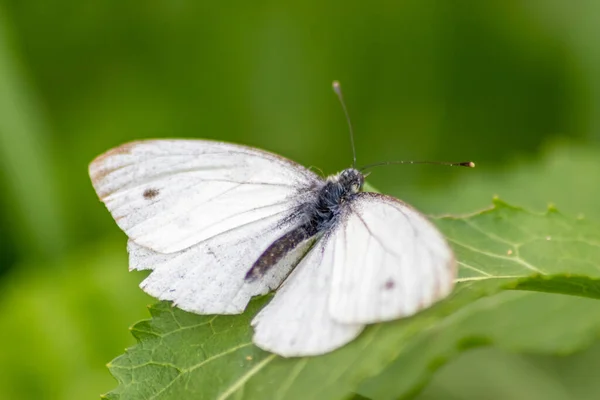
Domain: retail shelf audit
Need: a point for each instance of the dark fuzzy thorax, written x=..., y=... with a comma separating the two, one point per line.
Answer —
x=316, y=216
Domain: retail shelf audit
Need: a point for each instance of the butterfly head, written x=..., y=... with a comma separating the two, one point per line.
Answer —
x=352, y=180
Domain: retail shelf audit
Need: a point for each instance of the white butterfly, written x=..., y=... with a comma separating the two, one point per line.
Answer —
x=219, y=223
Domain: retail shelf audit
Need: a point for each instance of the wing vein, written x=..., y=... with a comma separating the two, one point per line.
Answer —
x=383, y=246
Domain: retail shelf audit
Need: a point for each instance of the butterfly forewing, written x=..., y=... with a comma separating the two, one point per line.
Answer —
x=168, y=195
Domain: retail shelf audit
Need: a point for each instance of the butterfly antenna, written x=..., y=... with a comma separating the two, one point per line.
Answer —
x=338, y=91
x=468, y=164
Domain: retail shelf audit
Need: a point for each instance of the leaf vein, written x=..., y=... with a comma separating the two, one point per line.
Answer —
x=242, y=380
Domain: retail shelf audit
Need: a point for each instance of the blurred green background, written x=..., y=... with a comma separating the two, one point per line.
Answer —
x=513, y=86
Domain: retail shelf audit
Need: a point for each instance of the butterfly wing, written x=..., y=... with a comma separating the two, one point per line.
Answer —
x=168, y=195
x=389, y=261
x=297, y=321
x=382, y=260
x=208, y=278
x=199, y=213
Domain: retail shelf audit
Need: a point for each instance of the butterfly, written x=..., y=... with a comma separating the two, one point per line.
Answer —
x=219, y=223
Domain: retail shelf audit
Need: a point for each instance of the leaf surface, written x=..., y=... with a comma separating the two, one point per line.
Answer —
x=181, y=355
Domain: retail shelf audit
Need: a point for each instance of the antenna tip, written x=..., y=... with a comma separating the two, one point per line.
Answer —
x=469, y=164
x=336, y=86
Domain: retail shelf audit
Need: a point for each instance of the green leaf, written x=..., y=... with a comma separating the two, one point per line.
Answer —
x=182, y=355
x=523, y=322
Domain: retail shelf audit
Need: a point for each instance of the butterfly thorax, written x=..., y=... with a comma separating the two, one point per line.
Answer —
x=335, y=192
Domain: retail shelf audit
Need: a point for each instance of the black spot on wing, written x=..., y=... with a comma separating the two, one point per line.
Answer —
x=150, y=193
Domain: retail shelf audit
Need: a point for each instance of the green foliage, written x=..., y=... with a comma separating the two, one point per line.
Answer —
x=525, y=328
x=61, y=322
x=561, y=176
x=424, y=81
x=23, y=153
x=495, y=82
x=182, y=355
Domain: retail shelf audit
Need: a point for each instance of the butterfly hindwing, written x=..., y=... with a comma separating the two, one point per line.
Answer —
x=208, y=278
x=297, y=322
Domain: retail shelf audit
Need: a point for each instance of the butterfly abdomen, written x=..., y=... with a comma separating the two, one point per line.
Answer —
x=278, y=249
